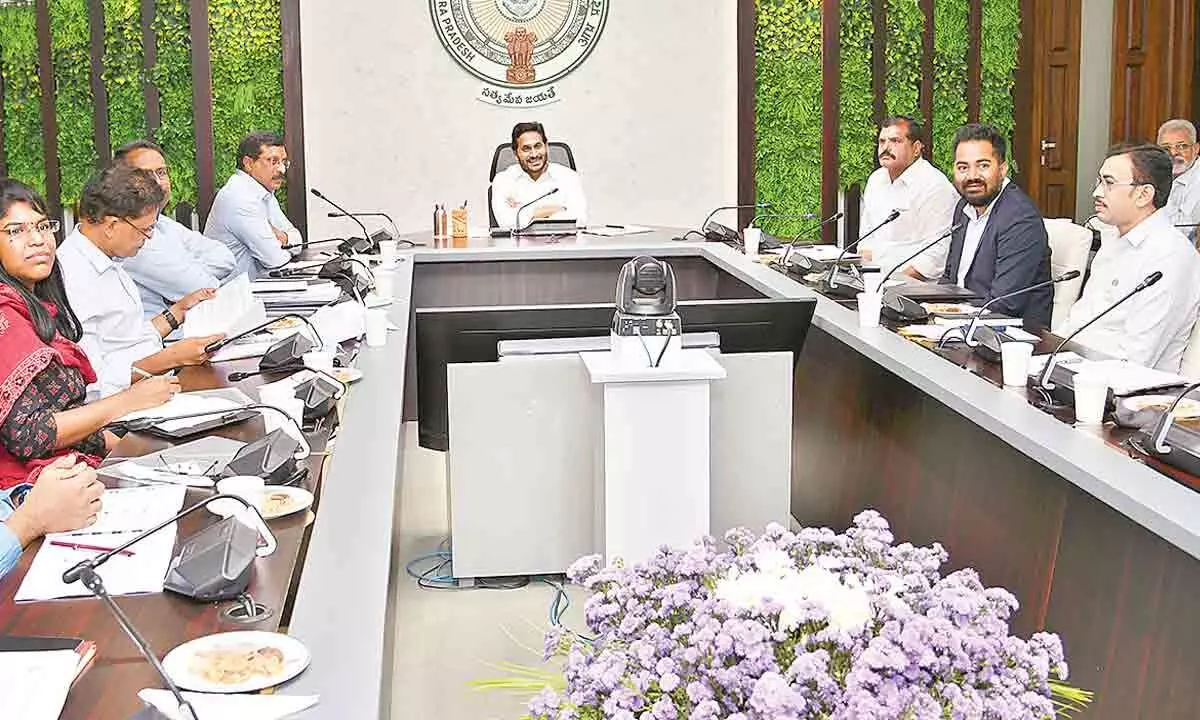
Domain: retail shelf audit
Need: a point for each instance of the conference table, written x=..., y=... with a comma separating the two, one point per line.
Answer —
x=1097, y=546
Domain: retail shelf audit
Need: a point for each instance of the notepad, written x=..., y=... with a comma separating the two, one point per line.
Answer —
x=141, y=572
x=229, y=707
x=215, y=402
x=36, y=683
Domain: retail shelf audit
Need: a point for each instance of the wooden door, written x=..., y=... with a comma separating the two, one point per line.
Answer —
x=1154, y=56
x=1051, y=157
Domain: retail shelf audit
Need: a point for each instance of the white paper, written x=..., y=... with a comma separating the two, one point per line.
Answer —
x=142, y=572
x=232, y=310
x=618, y=231
x=341, y=322
x=824, y=253
x=130, y=510
x=189, y=474
x=186, y=404
x=229, y=707
x=273, y=286
x=36, y=683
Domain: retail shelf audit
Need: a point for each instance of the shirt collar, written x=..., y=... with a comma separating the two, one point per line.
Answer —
x=252, y=186
x=973, y=214
x=100, y=262
x=909, y=176
x=1156, y=223
x=1188, y=175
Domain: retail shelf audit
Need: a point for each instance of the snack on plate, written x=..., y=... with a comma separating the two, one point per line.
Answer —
x=237, y=664
x=276, y=502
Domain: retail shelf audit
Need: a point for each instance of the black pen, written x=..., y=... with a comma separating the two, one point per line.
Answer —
x=615, y=227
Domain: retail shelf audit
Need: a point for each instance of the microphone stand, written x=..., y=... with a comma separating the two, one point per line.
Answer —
x=517, y=227
x=217, y=345
x=366, y=235
x=1159, y=434
x=383, y=215
x=830, y=281
x=969, y=335
x=796, y=239
x=85, y=572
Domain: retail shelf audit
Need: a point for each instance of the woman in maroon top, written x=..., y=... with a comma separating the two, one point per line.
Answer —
x=43, y=372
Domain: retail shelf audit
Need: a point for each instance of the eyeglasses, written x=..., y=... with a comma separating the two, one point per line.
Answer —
x=1110, y=184
x=24, y=233
x=284, y=163
x=161, y=173
x=144, y=233
x=1177, y=147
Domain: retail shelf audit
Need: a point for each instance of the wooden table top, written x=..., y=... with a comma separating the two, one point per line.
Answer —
x=109, y=689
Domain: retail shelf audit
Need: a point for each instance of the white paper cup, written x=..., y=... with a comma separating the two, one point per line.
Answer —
x=1091, y=394
x=385, y=283
x=387, y=254
x=319, y=360
x=1015, y=357
x=248, y=487
x=869, y=305
x=377, y=327
x=871, y=281
x=751, y=237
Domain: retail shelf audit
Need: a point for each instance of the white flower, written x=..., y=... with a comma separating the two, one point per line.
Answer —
x=846, y=604
x=774, y=562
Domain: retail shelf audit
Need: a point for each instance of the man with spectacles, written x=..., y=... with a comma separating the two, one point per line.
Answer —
x=246, y=216
x=116, y=218
x=1153, y=327
x=176, y=261
x=1178, y=137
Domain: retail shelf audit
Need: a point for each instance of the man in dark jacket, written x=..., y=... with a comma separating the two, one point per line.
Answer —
x=1001, y=245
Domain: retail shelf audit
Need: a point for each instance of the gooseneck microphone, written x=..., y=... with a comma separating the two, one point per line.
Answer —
x=214, y=346
x=517, y=227
x=339, y=208
x=703, y=231
x=1044, y=378
x=969, y=336
x=796, y=239
x=953, y=228
x=383, y=215
x=85, y=572
x=829, y=280
x=1159, y=434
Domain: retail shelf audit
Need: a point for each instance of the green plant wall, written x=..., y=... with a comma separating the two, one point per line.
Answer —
x=22, y=96
x=246, y=51
x=247, y=75
x=789, y=90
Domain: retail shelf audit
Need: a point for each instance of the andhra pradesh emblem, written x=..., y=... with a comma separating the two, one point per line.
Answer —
x=519, y=48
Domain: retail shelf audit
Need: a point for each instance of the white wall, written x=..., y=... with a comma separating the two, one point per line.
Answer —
x=391, y=120
x=1095, y=94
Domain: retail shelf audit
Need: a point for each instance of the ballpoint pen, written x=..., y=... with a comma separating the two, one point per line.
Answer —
x=81, y=546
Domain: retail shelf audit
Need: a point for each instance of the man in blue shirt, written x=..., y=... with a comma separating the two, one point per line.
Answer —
x=246, y=215
x=176, y=261
x=65, y=497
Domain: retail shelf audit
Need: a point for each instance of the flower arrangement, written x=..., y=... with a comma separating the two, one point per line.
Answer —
x=792, y=626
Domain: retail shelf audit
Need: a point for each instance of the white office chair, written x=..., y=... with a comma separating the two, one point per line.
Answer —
x=1069, y=248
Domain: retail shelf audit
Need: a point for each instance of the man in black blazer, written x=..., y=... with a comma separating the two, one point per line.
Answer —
x=1001, y=245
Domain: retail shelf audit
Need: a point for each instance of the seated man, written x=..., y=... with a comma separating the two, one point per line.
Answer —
x=1178, y=137
x=534, y=175
x=176, y=261
x=246, y=216
x=1152, y=327
x=66, y=497
x=905, y=181
x=117, y=214
x=1001, y=245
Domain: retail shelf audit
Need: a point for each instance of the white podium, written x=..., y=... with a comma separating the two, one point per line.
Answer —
x=653, y=489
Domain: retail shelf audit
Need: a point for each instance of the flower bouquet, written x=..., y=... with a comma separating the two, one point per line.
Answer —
x=797, y=626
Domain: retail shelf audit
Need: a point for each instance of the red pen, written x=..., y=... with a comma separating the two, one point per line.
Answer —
x=81, y=546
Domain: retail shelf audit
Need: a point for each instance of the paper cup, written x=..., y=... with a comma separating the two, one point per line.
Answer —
x=1015, y=357
x=750, y=239
x=385, y=283
x=1091, y=395
x=319, y=360
x=869, y=305
x=377, y=327
x=387, y=254
x=248, y=487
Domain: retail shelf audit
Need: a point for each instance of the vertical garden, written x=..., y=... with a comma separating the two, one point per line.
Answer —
x=788, y=119
x=245, y=45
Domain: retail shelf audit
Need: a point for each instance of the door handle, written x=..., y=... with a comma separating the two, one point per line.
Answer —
x=1048, y=145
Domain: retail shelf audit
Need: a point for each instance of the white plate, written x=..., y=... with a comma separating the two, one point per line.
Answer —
x=299, y=499
x=1187, y=407
x=348, y=375
x=178, y=662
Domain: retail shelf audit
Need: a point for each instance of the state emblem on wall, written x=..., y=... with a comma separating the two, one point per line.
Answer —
x=520, y=49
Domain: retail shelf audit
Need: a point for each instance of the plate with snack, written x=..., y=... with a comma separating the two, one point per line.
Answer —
x=285, y=323
x=236, y=662
x=278, y=501
x=950, y=310
x=347, y=375
x=1141, y=410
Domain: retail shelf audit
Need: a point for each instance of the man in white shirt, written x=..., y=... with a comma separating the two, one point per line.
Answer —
x=246, y=215
x=905, y=181
x=176, y=261
x=532, y=177
x=1153, y=326
x=117, y=214
x=1178, y=137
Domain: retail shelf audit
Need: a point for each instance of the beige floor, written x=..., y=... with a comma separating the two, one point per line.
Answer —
x=446, y=639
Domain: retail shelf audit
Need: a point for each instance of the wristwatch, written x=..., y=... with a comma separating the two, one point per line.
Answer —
x=170, y=318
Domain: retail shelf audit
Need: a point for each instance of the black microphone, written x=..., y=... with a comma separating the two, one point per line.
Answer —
x=969, y=336
x=810, y=265
x=214, y=346
x=308, y=244
x=517, y=227
x=720, y=232
x=370, y=244
x=85, y=572
x=829, y=280
x=926, y=246
x=899, y=307
x=1044, y=379
x=383, y=215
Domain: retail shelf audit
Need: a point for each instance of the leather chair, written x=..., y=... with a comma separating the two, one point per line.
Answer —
x=1070, y=246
